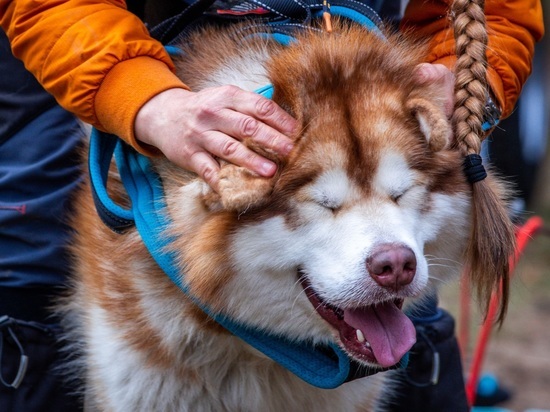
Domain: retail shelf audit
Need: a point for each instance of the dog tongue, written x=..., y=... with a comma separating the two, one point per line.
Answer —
x=388, y=330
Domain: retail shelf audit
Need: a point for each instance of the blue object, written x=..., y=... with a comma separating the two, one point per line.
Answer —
x=487, y=385
x=39, y=169
x=489, y=409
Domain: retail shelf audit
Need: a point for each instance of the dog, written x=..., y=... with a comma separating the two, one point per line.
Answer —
x=368, y=214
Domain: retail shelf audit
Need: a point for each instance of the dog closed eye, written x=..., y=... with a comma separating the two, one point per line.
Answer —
x=396, y=196
x=329, y=203
x=330, y=190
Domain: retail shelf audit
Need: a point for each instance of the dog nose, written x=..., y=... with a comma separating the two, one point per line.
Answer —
x=392, y=266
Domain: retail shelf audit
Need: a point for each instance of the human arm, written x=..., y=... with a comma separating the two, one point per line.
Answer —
x=95, y=58
x=100, y=63
x=513, y=25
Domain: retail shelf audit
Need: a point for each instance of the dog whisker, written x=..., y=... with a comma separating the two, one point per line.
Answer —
x=440, y=265
x=431, y=258
x=443, y=281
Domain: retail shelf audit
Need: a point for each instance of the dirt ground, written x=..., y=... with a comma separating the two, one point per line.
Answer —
x=519, y=354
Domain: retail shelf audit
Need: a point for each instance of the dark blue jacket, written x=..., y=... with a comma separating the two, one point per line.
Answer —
x=39, y=168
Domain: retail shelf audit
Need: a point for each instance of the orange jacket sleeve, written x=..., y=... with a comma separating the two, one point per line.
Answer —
x=513, y=26
x=95, y=57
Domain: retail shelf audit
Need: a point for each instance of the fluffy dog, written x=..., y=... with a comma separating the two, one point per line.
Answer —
x=368, y=213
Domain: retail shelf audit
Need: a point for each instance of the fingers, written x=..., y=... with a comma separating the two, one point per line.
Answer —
x=204, y=165
x=439, y=74
x=194, y=129
x=223, y=118
x=245, y=128
x=231, y=150
x=251, y=116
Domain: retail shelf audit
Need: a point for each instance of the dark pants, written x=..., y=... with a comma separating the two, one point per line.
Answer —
x=39, y=169
x=433, y=380
x=40, y=386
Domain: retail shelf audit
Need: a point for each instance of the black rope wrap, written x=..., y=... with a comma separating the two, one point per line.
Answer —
x=473, y=168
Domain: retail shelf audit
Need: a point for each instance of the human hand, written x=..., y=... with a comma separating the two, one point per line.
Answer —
x=441, y=76
x=192, y=129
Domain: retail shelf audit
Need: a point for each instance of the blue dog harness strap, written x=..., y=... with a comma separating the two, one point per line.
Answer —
x=100, y=154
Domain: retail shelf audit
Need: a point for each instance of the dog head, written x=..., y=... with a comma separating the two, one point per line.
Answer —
x=368, y=212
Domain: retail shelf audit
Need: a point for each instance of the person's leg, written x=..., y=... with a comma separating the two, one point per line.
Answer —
x=433, y=380
x=39, y=169
x=31, y=378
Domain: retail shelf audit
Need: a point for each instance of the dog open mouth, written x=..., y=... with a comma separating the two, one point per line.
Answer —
x=379, y=334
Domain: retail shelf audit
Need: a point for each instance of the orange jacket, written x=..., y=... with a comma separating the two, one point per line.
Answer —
x=513, y=26
x=99, y=62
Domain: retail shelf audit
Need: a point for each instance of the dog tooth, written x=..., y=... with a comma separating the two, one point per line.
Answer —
x=367, y=344
x=360, y=336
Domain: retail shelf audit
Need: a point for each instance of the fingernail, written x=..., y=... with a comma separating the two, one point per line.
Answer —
x=289, y=147
x=291, y=127
x=268, y=168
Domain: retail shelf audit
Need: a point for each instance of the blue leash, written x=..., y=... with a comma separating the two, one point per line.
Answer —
x=323, y=366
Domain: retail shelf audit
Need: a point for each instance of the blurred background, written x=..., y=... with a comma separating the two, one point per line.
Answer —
x=517, y=356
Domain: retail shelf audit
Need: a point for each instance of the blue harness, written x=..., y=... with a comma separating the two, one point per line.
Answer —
x=323, y=366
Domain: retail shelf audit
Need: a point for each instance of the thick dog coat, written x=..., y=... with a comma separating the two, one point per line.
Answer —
x=368, y=213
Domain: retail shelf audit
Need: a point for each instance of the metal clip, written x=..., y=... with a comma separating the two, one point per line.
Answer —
x=326, y=16
x=436, y=364
x=5, y=323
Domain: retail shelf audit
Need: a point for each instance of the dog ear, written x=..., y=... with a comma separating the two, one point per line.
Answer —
x=433, y=122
